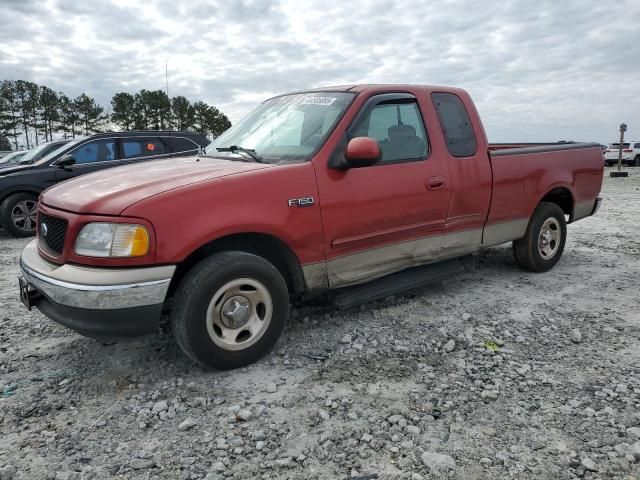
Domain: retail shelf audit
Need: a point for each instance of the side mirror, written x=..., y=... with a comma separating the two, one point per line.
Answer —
x=66, y=161
x=362, y=152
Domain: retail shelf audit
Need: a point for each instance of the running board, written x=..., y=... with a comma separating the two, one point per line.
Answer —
x=401, y=282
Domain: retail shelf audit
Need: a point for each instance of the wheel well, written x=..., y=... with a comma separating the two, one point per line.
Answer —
x=562, y=197
x=31, y=192
x=266, y=246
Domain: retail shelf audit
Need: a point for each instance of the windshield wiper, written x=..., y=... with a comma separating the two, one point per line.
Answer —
x=248, y=151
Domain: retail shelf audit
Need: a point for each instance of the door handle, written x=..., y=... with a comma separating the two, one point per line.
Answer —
x=435, y=183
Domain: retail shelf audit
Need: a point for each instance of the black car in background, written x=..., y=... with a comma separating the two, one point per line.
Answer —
x=20, y=185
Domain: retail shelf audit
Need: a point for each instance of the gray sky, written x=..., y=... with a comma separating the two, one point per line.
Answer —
x=538, y=71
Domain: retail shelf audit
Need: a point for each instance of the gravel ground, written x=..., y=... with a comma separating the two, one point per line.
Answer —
x=495, y=374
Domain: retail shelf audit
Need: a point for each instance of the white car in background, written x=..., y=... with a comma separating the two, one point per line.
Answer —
x=630, y=153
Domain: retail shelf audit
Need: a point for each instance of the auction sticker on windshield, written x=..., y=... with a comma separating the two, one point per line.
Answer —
x=319, y=100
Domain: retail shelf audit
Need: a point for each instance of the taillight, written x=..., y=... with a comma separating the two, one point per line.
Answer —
x=628, y=150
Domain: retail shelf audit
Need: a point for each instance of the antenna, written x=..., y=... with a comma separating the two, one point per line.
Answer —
x=166, y=75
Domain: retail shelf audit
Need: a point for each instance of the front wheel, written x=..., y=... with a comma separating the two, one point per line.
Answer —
x=543, y=243
x=230, y=309
x=18, y=214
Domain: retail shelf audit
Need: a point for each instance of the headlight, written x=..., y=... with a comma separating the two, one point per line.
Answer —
x=112, y=240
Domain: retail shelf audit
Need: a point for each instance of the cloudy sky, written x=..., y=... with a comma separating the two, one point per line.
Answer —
x=538, y=71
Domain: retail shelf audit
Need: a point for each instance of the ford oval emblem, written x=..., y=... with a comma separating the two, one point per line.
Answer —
x=44, y=229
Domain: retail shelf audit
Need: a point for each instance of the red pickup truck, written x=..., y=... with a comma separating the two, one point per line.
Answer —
x=356, y=191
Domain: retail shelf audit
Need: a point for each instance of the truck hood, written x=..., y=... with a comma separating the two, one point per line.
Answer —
x=111, y=191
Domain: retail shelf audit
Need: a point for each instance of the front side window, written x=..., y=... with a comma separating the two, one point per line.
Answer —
x=96, y=151
x=286, y=128
x=398, y=127
x=456, y=124
x=142, y=147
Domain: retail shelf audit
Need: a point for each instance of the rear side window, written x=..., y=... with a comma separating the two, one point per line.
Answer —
x=181, y=145
x=142, y=147
x=637, y=145
x=456, y=125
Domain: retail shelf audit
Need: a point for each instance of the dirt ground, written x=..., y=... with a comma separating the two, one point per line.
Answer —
x=495, y=374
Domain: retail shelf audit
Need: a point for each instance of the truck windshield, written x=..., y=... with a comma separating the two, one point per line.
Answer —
x=286, y=128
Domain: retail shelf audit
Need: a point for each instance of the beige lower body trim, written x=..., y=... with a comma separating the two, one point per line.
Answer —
x=583, y=209
x=503, y=232
x=377, y=262
x=315, y=276
x=374, y=263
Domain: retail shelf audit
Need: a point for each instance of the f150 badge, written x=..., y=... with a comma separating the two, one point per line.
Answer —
x=301, y=202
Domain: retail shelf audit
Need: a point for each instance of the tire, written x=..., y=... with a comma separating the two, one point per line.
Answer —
x=18, y=214
x=219, y=283
x=543, y=243
x=636, y=161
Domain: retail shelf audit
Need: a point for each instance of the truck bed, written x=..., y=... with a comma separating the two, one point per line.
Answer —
x=570, y=171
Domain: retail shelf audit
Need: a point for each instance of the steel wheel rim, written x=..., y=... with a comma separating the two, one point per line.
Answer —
x=23, y=215
x=549, y=238
x=239, y=313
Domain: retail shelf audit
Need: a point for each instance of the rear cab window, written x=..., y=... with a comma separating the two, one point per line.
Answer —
x=456, y=124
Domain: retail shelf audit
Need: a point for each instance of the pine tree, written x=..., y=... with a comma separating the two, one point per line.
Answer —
x=124, y=110
x=22, y=97
x=49, y=103
x=182, y=113
x=68, y=116
x=5, y=144
x=90, y=114
x=9, y=111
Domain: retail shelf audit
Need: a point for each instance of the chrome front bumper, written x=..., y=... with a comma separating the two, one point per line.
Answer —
x=94, y=288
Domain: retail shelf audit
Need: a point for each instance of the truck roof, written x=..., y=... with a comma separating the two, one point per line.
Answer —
x=372, y=87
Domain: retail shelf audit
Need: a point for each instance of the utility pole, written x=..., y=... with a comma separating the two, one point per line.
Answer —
x=619, y=172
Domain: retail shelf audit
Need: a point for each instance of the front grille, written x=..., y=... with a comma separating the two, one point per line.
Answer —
x=56, y=230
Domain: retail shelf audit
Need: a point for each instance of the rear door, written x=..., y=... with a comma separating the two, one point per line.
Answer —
x=389, y=216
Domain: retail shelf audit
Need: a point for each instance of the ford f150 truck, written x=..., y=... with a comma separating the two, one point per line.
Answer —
x=356, y=191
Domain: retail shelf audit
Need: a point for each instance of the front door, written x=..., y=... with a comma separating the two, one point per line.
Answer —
x=390, y=216
x=90, y=157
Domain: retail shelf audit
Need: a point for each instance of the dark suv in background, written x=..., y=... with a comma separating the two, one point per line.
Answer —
x=20, y=185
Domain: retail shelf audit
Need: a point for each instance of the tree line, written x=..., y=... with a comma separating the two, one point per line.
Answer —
x=31, y=114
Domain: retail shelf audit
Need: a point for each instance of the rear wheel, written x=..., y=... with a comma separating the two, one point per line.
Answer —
x=543, y=243
x=636, y=161
x=18, y=214
x=230, y=309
